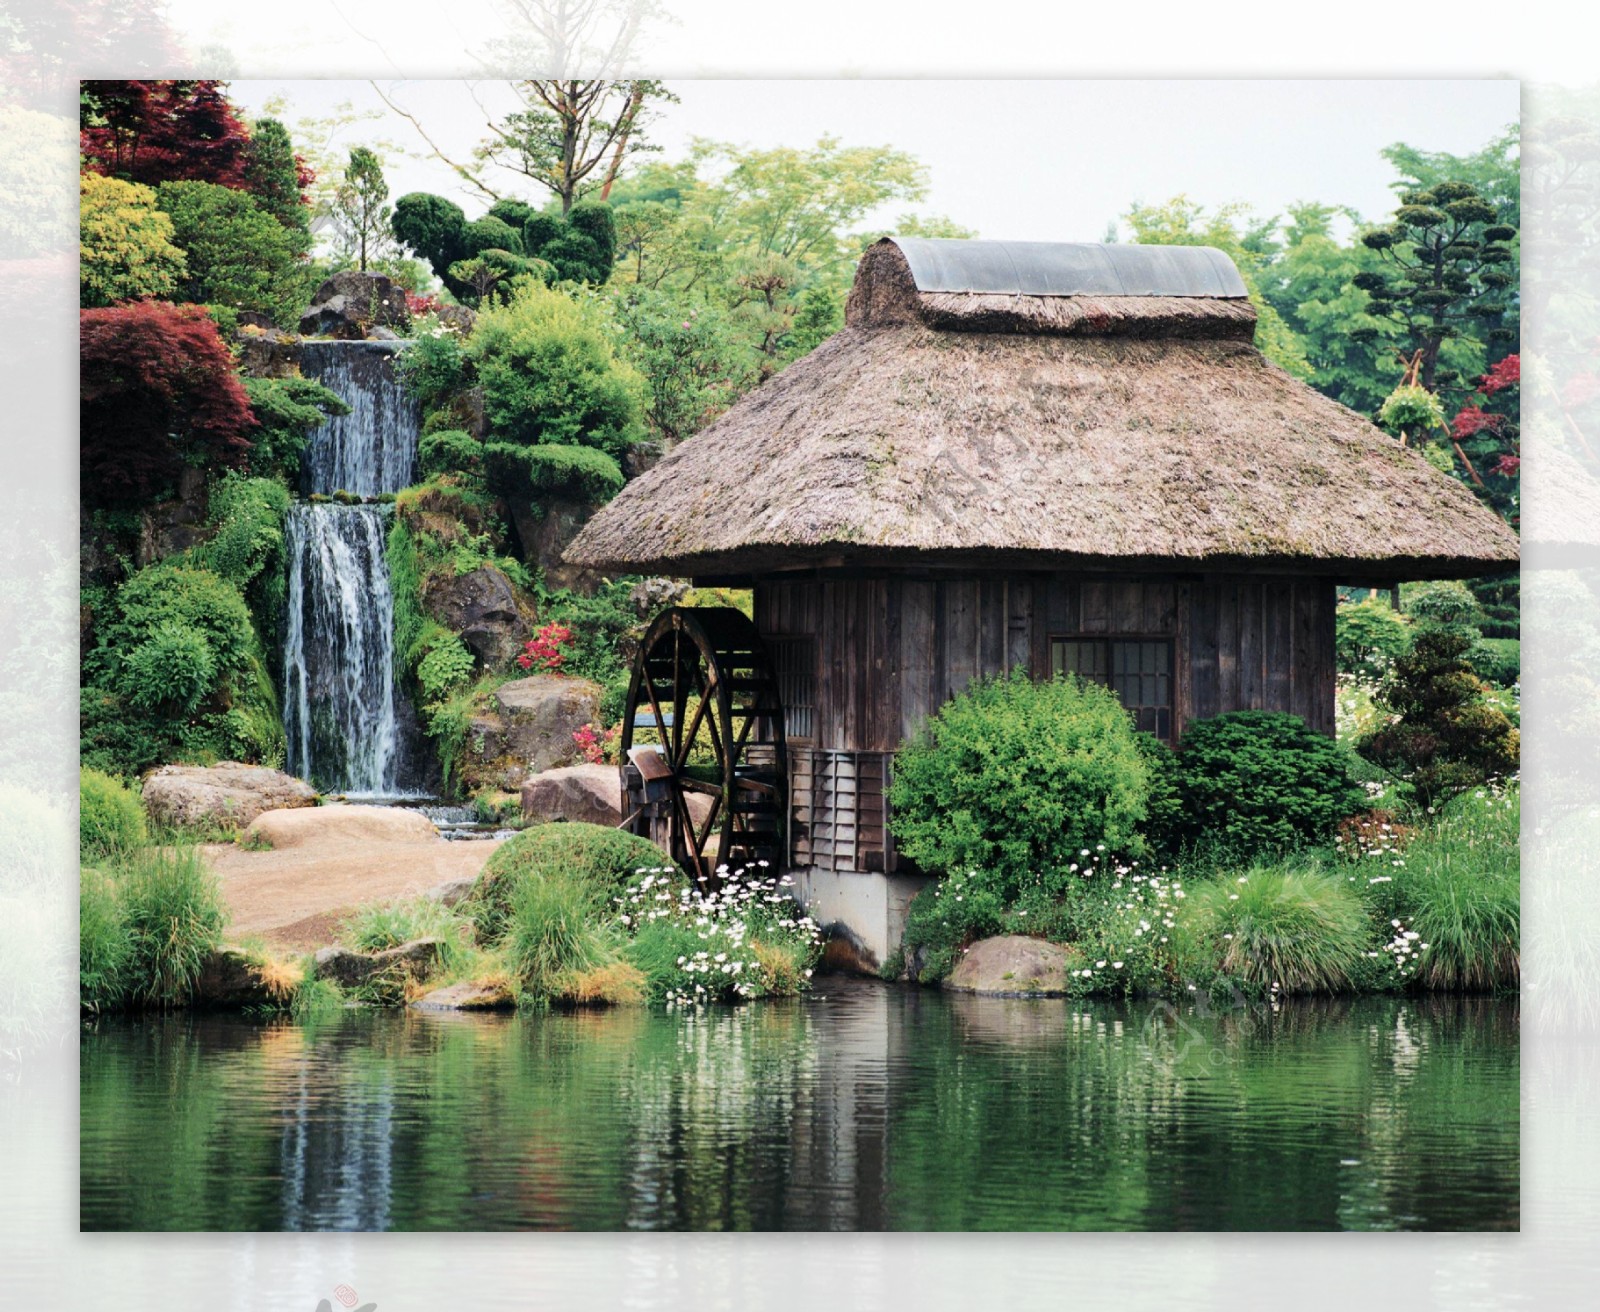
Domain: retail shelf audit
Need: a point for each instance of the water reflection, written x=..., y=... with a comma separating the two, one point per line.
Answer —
x=868, y=1107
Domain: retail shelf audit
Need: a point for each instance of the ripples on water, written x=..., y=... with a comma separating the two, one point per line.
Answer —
x=865, y=1107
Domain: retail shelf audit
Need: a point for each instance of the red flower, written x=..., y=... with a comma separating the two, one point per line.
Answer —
x=1508, y=466
x=545, y=648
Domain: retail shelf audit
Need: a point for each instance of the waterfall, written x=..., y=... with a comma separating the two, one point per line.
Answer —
x=348, y=725
x=372, y=449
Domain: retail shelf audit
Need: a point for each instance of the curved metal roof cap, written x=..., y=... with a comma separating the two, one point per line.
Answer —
x=1060, y=268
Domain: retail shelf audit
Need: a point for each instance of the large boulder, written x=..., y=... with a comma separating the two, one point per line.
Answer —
x=229, y=978
x=267, y=353
x=482, y=607
x=591, y=794
x=351, y=304
x=321, y=825
x=540, y=715
x=227, y=794
x=1013, y=966
x=545, y=529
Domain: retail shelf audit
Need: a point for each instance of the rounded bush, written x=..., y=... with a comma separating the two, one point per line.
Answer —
x=448, y=452
x=601, y=859
x=172, y=667
x=1015, y=778
x=110, y=818
x=1261, y=781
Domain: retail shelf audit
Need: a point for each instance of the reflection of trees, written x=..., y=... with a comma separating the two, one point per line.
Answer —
x=869, y=1108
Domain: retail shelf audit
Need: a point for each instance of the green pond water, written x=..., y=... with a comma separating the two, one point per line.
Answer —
x=865, y=1106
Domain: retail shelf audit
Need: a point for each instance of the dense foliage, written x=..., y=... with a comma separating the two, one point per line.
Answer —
x=157, y=391
x=1261, y=781
x=287, y=410
x=1015, y=778
x=125, y=249
x=236, y=253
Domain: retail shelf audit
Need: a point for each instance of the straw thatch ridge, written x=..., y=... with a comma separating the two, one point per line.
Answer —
x=885, y=295
x=899, y=444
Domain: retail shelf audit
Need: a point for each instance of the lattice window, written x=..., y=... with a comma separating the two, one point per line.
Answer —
x=795, y=662
x=1138, y=670
x=839, y=804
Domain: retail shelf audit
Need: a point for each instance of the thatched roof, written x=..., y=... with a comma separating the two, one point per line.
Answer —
x=1127, y=425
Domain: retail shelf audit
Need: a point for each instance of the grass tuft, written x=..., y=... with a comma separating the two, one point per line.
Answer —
x=1298, y=928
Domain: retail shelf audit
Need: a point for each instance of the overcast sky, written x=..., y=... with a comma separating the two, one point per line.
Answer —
x=1027, y=160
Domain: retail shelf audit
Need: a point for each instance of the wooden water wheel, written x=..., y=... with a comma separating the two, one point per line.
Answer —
x=705, y=766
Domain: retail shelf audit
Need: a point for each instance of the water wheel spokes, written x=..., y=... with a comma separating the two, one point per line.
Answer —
x=706, y=768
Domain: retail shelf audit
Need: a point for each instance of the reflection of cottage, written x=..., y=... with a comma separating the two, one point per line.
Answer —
x=1052, y=457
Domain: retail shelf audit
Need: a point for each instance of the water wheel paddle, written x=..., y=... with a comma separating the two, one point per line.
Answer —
x=705, y=766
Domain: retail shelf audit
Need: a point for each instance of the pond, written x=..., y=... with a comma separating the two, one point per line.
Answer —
x=865, y=1106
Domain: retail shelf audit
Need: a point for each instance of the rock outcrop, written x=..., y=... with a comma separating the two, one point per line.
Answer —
x=482, y=607
x=590, y=794
x=320, y=825
x=1013, y=966
x=227, y=794
x=545, y=528
x=351, y=305
x=485, y=996
x=415, y=960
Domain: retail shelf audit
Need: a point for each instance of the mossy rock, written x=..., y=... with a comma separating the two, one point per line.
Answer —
x=606, y=859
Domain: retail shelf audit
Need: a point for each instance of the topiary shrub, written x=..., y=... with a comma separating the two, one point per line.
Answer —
x=598, y=858
x=1446, y=738
x=110, y=818
x=551, y=470
x=1015, y=778
x=448, y=451
x=1261, y=781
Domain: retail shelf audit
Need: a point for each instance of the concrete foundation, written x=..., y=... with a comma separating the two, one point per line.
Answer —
x=870, y=910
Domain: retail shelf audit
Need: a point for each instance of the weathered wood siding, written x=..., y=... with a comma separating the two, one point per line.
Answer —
x=891, y=650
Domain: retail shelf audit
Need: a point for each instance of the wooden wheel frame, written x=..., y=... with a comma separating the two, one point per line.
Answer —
x=704, y=688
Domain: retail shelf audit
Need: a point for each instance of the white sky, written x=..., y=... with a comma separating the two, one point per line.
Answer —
x=1027, y=160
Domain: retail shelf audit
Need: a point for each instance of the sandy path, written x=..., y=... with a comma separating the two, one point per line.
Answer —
x=296, y=898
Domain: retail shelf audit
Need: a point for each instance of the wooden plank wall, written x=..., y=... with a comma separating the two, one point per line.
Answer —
x=892, y=650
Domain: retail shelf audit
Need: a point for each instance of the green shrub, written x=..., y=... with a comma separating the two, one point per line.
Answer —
x=593, y=856
x=287, y=410
x=552, y=471
x=1443, y=604
x=1014, y=778
x=1299, y=928
x=172, y=905
x=1163, y=822
x=1370, y=634
x=110, y=818
x=236, y=253
x=446, y=667
x=448, y=451
x=434, y=370
x=1446, y=738
x=548, y=367
x=1262, y=781
x=103, y=942
x=1497, y=660
x=172, y=668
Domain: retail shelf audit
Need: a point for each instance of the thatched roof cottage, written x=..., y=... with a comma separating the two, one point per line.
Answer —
x=1053, y=456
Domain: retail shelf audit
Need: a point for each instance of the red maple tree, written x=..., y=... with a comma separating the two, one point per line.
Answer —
x=157, y=391
x=153, y=131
